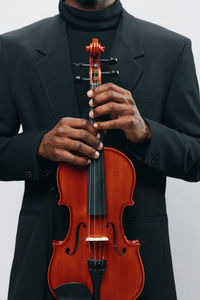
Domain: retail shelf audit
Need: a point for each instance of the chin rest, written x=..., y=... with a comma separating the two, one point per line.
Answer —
x=73, y=291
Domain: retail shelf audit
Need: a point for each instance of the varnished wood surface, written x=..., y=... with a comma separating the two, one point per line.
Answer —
x=124, y=276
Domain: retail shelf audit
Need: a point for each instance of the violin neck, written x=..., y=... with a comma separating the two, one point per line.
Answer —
x=96, y=205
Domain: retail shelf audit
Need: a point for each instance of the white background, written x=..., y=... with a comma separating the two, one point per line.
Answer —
x=183, y=199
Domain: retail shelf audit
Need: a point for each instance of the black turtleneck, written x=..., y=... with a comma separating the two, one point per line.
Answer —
x=91, y=20
x=82, y=26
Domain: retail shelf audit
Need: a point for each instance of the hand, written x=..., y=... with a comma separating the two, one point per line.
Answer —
x=118, y=103
x=72, y=140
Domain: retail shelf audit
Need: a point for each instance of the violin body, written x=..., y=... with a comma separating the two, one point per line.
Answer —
x=123, y=278
x=96, y=261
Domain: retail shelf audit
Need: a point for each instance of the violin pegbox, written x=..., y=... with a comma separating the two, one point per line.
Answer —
x=95, y=49
x=95, y=74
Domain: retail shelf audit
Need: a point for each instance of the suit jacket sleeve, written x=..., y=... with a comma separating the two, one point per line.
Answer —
x=18, y=152
x=174, y=148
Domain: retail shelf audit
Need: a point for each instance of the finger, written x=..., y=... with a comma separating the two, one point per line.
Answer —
x=76, y=146
x=104, y=87
x=106, y=96
x=107, y=125
x=108, y=108
x=82, y=135
x=86, y=137
x=78, y=123
x=65, y=156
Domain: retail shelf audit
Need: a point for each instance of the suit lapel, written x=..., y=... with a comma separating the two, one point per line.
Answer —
x=127, y=47
x=55, y=70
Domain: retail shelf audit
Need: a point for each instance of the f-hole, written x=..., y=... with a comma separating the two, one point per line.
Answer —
x=115, y=240
x=77, y=240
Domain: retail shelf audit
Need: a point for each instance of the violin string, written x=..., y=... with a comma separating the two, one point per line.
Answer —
x=99, y=171
x=89, y=210
x=94, y=188
x=99, y=196
x=94, y=213
x=90, y=196
x=100, y=212
x=96, y=168
x=104, y=212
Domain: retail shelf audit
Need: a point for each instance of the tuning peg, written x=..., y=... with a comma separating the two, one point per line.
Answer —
x=111, y=60
x=114, y=73
x=80, y=79
x=111, y=73
x=79, y=65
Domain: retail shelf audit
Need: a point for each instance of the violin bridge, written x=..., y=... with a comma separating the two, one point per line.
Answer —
x=97, y=239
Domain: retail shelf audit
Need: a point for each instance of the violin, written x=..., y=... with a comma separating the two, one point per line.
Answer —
x=96, y=261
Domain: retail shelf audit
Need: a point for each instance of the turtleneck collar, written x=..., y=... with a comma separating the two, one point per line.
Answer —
x=91, y=20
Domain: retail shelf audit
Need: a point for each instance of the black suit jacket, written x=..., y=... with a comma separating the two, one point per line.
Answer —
x=36, y=90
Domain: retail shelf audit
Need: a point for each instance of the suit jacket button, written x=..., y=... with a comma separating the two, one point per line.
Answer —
x=29, y=174
x=45, y=171
x=138, y=156
x=52, y=189
x=154, y=162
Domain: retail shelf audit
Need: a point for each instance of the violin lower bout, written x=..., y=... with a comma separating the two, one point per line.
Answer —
x=100, y=237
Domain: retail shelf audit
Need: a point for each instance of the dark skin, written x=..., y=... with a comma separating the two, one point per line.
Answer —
x=90, y=5
x=77, y=141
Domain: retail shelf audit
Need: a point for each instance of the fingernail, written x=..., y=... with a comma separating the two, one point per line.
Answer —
x=96, y=154
x=90, y=93
x=89, y=161
x=91, y=114
x=98, y=135
x=95, y=125
x=100, y=147
x=91, y=103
